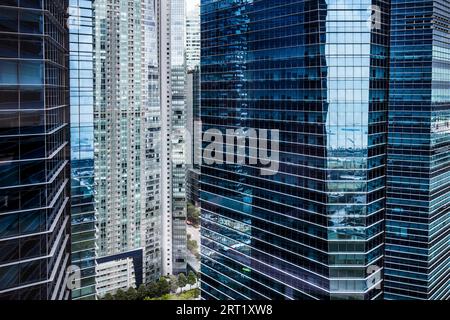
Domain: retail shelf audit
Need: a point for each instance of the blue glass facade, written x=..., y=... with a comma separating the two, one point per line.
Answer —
x=318, y=72
x=34, y=144
x=82, y=145
x=418, y=176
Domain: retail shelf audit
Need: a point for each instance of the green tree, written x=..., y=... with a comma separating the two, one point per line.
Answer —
x=196, y=292
x=131, y=293
x=182, y=280
x=191, y=279
x=108, y=296
x=163, y=286
x=141, y=292
x=192, y=245
x=120, y=295
x=173, y=283
x=193, y=214
x=152, y=290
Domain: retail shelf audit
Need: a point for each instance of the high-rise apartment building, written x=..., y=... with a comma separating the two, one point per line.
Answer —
x=193, y=37
x=417, y=261
x=80, y=23
x=34, y=157
x=359, y=91
x=126, y=133
x=172, y=75
x=317, y=71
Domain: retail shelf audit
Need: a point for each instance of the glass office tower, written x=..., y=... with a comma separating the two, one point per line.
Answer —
x=418, y=184
x=34, y=144
x=82, y=146
x=317, y=71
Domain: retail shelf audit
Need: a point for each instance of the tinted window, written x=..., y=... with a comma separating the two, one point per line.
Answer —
x=8, y=49
x=8, y=20
x=31, y=48
x=31, y=98
x=9, y=100
x=31, y=3
x=9, y=251
x=9, y=173
x=9, y=122
x=9, y=225
x=31, y=72
x=30, y=22
x=8, y=74
x=9, y=276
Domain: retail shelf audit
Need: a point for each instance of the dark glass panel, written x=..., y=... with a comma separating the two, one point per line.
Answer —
x=10, y=149
x=30, y=247
x=32, y=122
x=8, y=20
x=9, y=122
x=31, y=222
x=9, y=225
x=12, y=3
x=8, y=72
x=32, y=147
x=9, y=173
x=9, y=276
x=31, y=98
x=9, y=251
x=9, y=45
x=32, y=172
x=31, y=72
x=29, y=272
x=9, y=99
x=31, y=48
x=31, y=22
x=36, y=4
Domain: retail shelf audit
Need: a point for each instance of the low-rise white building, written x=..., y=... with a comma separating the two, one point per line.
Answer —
x=114, y=275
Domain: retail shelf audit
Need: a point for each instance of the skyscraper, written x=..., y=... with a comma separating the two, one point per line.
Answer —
x=80, y=24
x=193, y=127
x=193, y=37
x=417, y=259
x=34, y=158
x=318, y=72
x=126, y=133
x=359, y=206
x=171, y=47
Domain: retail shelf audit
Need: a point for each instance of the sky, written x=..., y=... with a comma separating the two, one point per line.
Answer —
x=190, y=4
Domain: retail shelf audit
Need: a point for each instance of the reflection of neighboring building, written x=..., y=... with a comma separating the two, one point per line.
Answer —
x=360, y=206
x=82, y=146
x=316, y=72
